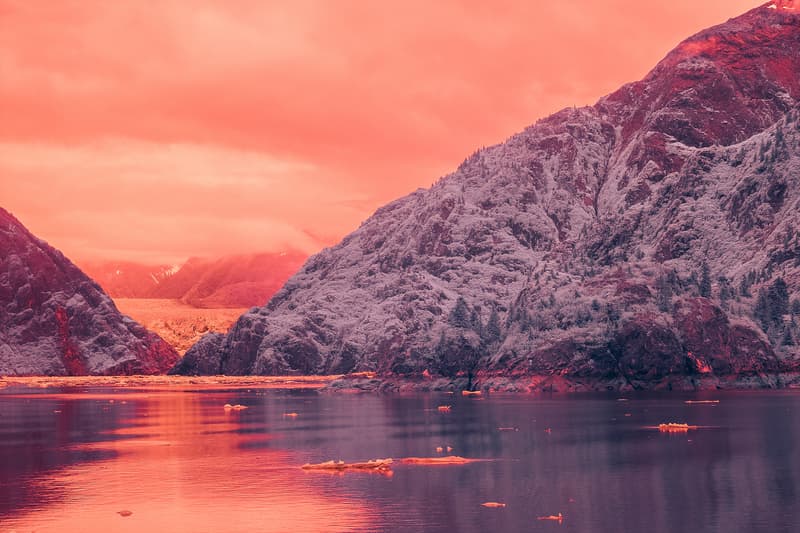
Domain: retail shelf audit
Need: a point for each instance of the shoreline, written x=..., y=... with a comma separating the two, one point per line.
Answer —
x=561, y=384
x=370, y=383
x=168, y=382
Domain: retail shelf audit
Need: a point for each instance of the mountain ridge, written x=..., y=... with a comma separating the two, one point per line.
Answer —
x=54, y=320
x=234, y=281
x=601, y=244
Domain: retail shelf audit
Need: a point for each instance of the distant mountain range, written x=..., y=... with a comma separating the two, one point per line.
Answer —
x=228, y=282
x=54, y=320
x=649, y=241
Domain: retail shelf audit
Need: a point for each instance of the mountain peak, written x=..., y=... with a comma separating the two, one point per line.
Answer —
x=623, y=245
x=54, y=320
x=784, y=5
x=771, y=26
x=721, y=85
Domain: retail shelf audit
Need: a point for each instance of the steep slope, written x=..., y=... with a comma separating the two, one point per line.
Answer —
x=227, y=282
x=126, y=279
x=618, y=245
x=241, y=281
x=54, y=320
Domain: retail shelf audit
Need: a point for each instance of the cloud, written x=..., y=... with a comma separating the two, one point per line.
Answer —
x=138, y=199
x=378, y=98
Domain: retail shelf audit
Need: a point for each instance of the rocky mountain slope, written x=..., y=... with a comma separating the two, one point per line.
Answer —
x=54, y=320
x=647, y=241
x=227, y=282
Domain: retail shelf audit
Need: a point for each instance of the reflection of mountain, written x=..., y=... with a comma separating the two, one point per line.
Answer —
x=176, y=460
x=650, y=240
x=182, y=464
x=233, y=281
x=19, y=464
x=54, y=320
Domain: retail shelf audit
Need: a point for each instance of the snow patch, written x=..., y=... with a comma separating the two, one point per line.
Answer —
x=786, y=5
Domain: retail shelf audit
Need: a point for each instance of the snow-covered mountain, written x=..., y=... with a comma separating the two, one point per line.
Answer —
x=647, y=241
x=54, y=320
x=226, y=282
x=127, y=279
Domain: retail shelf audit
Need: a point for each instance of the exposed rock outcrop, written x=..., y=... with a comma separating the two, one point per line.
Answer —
x=56, y=321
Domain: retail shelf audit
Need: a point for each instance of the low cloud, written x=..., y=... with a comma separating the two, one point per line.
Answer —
x=133, y=199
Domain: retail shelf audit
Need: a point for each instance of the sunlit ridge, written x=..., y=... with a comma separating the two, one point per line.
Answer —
x=787, y=5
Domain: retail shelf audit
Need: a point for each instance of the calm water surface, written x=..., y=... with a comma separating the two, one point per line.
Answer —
x=70, y=460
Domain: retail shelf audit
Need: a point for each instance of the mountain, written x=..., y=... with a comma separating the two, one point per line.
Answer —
x=182, y=303
x=232, y=281
x=126, y=279
x=227, y=282
x=648, y=241
x=54, y=320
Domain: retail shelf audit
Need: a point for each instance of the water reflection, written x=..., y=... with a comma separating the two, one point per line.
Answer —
x=179, y=462
x=176, y=461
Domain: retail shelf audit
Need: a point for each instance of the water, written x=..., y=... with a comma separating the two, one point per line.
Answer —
x=71, y=460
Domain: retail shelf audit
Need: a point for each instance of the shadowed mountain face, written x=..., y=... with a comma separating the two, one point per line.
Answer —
x=647, y=241
x=228, y=282
x=54, y=320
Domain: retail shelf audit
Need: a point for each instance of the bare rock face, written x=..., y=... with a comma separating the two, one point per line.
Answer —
x=204, y=357
x=56, y=321
x=647, y=241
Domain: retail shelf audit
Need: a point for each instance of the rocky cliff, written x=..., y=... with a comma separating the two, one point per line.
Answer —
x=647, y=241
x=54, y=320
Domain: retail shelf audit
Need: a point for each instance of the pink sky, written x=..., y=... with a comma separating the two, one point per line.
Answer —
x=154, y=131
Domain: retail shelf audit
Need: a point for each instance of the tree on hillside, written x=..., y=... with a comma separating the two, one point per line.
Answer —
x=772, y=304
x=744, y=288
x=457, y=353
x=475, y=321
x=761, y=309
x=705, y=281
x=493, y=331
x=466, y=344
x=787, y=338
x=459, y=316
x=778, y=296
x=664, y=294
x=726, y=291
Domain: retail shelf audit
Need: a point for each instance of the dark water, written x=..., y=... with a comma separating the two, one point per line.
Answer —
x=180, y=463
